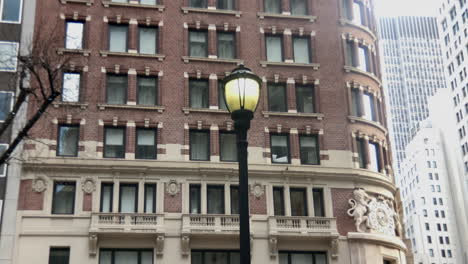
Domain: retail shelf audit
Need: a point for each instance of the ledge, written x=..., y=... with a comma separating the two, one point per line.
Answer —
x=381, y=239
x=354, y=119
x=85, y=52
x=136, y=4
x=105, y=53
x=318, y=116
x=86, y=2
x=263, y=15
x=187, y=59
x=71, y=104
x=361, y=27
x=187, y=110
x=160, y=109
x=211, y=11
x=315, y=66
x=359, y=71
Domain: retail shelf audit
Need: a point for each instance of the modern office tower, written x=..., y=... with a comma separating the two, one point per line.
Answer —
x=136, y=163
x=412, y=66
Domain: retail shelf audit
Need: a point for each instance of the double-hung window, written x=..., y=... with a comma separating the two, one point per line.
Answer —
x=226, y=45
x=272, y=6
x=128, y=198
x=363, y=53
x=301, y=49
x=118, y=36
x=215, y=199
x=71, y=87
x=374, y=155
x=319, y=203
x=361, y=148
x=63, y=201
x=107, y=193
x=350, y=57
x=3, y=148
x=145, y=143
x=234, y=199
x=195, y=198
x=221, y=101
x=302, y=257
x=305, y=98
x=147, y=90
x=126, y=256
x=10, y=10
x=199, y=93
x=369, y=107
x=67, y=142
x=357, y=13
x=274, y=48
x=277, y=97
x=116, y=89
x=150, y=198
x=8, y=56
x=6, y=104
x=298, y=198
x=298, y=7
x=278, y=201
x=59, y=255
x=309, y=149
x=74, y=35
x=280, y=148
x=114, y=142
x=198, y=3
x=214, y=257
x=227, y=146
x=148, y=39
x=199, y=145
x=198, y=43
x=225, y=4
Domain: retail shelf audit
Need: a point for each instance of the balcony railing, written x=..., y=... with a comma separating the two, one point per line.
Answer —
x=290, y=225
x=210, y=224
x=126, y=223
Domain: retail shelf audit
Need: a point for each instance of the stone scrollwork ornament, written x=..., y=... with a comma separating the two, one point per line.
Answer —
x=381, y=217
x=257, y=190
x=359, y=208
x=88, y=185
x=172, y=188
x=39, y=184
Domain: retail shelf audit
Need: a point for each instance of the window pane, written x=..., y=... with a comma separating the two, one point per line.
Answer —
x=320, y=258
x=278, y=200
x=68, y=141
x=199, y=146
x=234, y=257
x=148, y=2
x=215, y=199
x=283, y=258
x=357, y=13
x=8, y=56
x=146, y=144
x=273, y=6
x=118, y=38
x=11, y=10
x=64, y=198
x=361, y=152
x=305, y=98
x=298, y=7
x=128, y=198
x=198, y=44
x=71, y=87
x=298, y=258
x=277, y=97
x=309, y=150
x=146, y=257
x=116, y=89
x=198, y=93
x=350, y=58
x=147, y=43
x=216, y=258
x=234, y=200
x=301, y=50
x=3, y=148
x=226, y=45
x=374, y=158
x=105, y=257
x=355, y=102
x=225, y=4
x=228, y=148
x=198, y=3
x=5, y=104
x=59, y=255
x=298, y=202
x=74, y=36
x=106, y=197
x=274, y=49
x=196, y=258
x=369, y=112
x=279, y=149
x=150, y=194
x=114, y=143
x=319, y=206
x=221, y=101
x=195, y=198
x=147, y=90
x=126, y=257
x=363, y=59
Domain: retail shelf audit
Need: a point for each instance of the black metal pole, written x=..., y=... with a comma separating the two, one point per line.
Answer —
x=242, y=124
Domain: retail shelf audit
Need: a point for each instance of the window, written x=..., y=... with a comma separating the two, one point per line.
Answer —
x=68, y=136
x=148, y=2
x=198, y=3
x=8, y=56
x=445, y=227
x=277, y=97
x=302, y=257
x=227, y=146
x=272, y=6
x=107, y=194
x=429, y=239
x=299, y=7
x=442, y=251
x=199, y=93
x=118, y=38
x=319, y=203
x=226, y=45
x=351, y=60
x=11, y=10
x=6, y=104
x=148, y=40
x=447, y=240
x=221, y=101
x=128, y=200
x=439, y=227
x=150, y=198
x=74, y=35
x=431, y=252
x=427, y=226
x=301, y=48
x=199, y=145
x=146, y=143
x=278, y=200
x=116, y=89
x=234, y=199
x=298, y=198
x=361, y=152
x=424, y=212
x=3, y=148
x=147, y=90
x=215, y=256
x=195, y=199
x=449, y=253
x=225, y=4
x=126, y=256
x=59, y=255
x=441, y=240
x=355, y=102
x=357, y=9
x=363, y=53
x=71, y=87
x=274, y=48
x=198, y=43
x=114, y=142
x=369, y=107
x=215, y=199
x=305, y=98
x=280, y=149
x=310, y=153
x=63, y=201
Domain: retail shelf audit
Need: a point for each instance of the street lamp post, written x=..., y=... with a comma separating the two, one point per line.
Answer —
x=241, y=94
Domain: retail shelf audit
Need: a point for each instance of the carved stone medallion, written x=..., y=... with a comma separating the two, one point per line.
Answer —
x=39, y=184
x=172, y=187
x=88, y=185
x=257, y=190
x=381, y=217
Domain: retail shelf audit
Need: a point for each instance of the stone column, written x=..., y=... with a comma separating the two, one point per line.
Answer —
x=366, y=152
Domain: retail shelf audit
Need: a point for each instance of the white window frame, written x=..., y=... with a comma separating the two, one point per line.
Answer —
x=16, y=54
x=3, y=173
x=12, y=101
x=20, y=17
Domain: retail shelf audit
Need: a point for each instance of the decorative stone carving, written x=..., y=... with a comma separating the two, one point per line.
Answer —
x=172, y=187
x=257, y=190
x=359, y=208
x=334, y=248
x=185, y=244
x=381, y=217
x=93, y=244
x=273, y=243
x=88, y=185
x=159, y=245
x=39, y=184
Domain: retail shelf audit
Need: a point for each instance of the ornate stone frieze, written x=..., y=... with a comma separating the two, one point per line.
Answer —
x=39, y=184
x=172, y=188
x=257, y=190
x=88, y=185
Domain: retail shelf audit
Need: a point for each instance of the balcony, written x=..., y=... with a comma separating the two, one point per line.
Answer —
x=294, y=226
x=210, y=224
x=107, y=223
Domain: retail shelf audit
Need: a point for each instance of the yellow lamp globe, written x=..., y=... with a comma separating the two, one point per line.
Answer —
x=242, y=90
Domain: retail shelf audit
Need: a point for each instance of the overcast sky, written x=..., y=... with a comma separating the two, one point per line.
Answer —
x=407, y=7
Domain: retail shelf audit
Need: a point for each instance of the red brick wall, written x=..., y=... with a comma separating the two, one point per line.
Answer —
x=87, y=202
x=340, y=199
x=258, y=205
x=28, y=199
x=173, y=204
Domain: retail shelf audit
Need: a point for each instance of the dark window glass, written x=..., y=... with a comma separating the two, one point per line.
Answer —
x=214, y=257
x=68, y=137
x=148, y=2
x=228, y=146
x=221, y=101
x=298, y=201
x=215, y=199
x=369, y=107
x=361, y=152
x=302, y=258
x=145, y=143
x=107, y=193
x=199, y=145
x=319, y=204
x=126, y=256
x=299, y=7
x=148, y=39
x=225, y=4
x=150, y=198
x=74, y=35
x=274, y=48
x=118, y=38
x=310, y=152
x=280, y=149
x=59, y=255
x=71, y=87
x=6, y=103
x=64, y=198
x=195, y=199
x=278, y=200
x=11, y=10
x=234, y=199
x=355, y=103
x=226, y=45
x=350, y=58
x=198, y=3
x=128, y=199
x=114, y=142
x=363, y=54
x=272, y=6
x=199, y=93
x=147, y=91
x=116, y=89
x=277, y=97
x=305, y=98
x=198, y=43
x=301, y=48
x=3, y=148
